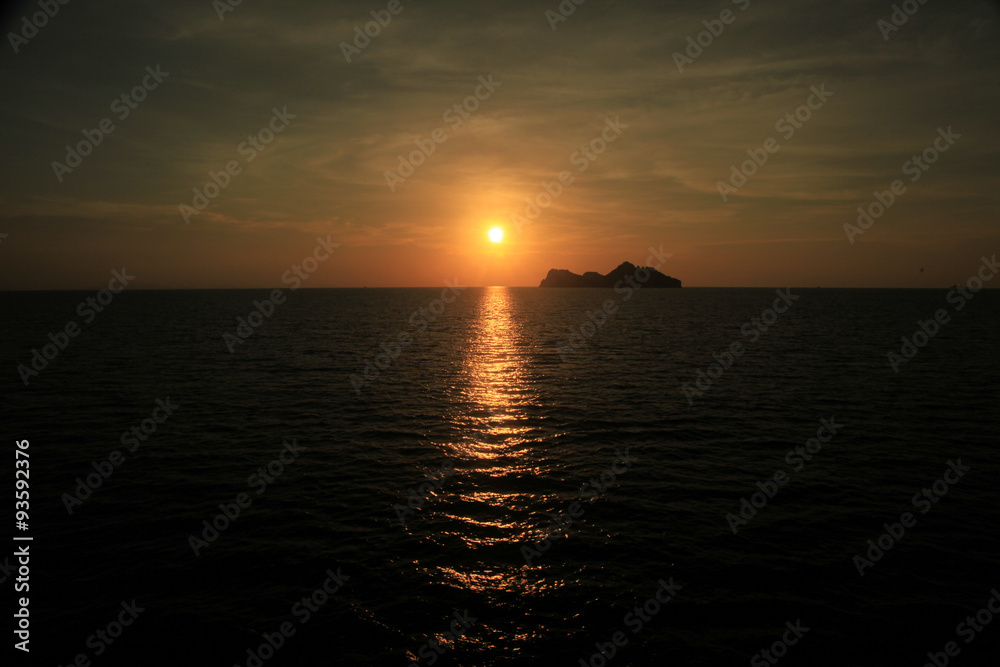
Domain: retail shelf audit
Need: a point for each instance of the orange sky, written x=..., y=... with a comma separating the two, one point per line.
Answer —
x=553, y=91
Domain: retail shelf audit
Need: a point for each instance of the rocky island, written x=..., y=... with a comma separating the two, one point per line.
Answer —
x=626, y=272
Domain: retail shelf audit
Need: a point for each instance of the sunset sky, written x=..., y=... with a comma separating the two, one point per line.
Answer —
x=655, y=184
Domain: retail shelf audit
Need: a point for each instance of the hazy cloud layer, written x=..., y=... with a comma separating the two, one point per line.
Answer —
x=656, y=184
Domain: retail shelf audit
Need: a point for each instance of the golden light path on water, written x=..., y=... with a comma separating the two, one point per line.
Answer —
x=497, y=378
x=498, y=511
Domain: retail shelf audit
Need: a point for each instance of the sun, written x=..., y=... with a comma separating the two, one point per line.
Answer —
x=496, y=235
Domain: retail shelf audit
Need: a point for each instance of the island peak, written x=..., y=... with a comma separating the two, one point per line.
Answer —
x=653, y=278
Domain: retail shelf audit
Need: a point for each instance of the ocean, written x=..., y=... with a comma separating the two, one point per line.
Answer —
x=507, y=476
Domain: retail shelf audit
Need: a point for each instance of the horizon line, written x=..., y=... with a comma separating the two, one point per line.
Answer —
x=567, y=289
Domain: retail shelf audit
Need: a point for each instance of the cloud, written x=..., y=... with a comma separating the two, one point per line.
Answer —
x=327, y=170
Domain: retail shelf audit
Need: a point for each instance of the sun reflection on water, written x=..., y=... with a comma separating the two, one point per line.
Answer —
x=493, y=512
x=498, y=384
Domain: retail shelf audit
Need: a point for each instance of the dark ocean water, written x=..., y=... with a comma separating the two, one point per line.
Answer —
x=482, y=388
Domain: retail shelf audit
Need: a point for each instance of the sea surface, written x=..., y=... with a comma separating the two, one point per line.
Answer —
x=510, y=435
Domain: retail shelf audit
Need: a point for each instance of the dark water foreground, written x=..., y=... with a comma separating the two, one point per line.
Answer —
x=591, y=462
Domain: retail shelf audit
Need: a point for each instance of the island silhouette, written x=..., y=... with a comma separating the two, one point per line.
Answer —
x=626, y=272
